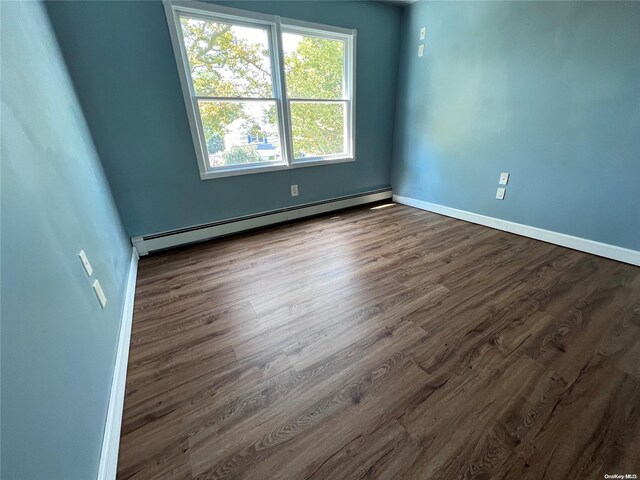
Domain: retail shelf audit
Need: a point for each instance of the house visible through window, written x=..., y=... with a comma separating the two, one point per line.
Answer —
x=263, y=93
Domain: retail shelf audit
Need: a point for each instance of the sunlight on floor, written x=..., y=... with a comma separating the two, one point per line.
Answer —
x=380, y=207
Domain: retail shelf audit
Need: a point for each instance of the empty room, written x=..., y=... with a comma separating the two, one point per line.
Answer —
x=315, y=239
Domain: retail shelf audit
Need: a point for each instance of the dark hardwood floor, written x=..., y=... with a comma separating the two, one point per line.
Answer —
x=383, y=343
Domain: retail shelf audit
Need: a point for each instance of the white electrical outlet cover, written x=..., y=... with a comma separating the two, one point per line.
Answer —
x=421, y=50
x=99, y=293
x=85, y=262
x=500, y=193
x=294, y=190
x=423, y=33
x=504, y=179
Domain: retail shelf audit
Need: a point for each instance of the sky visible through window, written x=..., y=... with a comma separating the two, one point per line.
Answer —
x=290, y=41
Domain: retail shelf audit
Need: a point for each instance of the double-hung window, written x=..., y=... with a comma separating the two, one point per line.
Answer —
x=263, y=92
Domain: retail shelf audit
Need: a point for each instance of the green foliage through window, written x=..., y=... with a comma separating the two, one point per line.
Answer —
x=228, y=61
x=315, y=70
x=241, y=154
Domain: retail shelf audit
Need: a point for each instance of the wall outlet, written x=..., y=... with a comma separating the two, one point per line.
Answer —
x=423, y=33
x=85, y=262
x=100, y=294
x=504, y=179
x=294, y=190
x=500, y=193
x=421, y=50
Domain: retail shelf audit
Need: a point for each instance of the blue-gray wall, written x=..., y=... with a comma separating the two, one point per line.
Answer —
x=58, y=346
x=548, y=91
x=120, y=57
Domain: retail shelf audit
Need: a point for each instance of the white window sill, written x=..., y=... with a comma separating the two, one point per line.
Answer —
x=311, y=162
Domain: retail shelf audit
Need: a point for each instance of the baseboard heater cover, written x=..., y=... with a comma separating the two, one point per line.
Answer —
x=161, y=241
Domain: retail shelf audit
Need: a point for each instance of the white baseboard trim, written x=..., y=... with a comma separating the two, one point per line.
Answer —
x=589, y=246
x=111, y=440
x=160, y=241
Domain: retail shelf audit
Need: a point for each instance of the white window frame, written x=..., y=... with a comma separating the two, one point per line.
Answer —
x=275, y=26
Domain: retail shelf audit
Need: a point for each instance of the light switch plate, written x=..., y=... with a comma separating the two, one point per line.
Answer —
x=421, y=50
x=500, y=193
x=85, y=262
x=423, y=33
x=294, y=190
x=100, y=294
x=504, y=179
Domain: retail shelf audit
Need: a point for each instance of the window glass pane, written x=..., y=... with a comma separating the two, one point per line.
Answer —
x=314, y=66
x=239, y=133
x=318, y=128
x=227, y=60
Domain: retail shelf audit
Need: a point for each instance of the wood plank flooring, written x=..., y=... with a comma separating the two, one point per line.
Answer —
x=386, y=343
